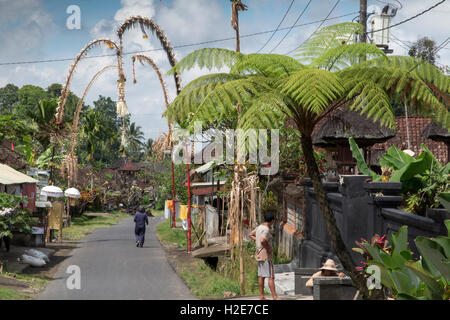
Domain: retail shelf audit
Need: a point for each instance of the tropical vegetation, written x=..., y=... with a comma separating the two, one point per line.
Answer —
x=331, y=72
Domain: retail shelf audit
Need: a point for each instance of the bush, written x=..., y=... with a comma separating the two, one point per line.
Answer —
x=160, y=204
x=12, y=217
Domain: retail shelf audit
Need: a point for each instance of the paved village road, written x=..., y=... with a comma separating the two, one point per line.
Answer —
x=112, y=267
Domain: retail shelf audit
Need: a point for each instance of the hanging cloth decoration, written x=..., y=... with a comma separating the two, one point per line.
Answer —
x=145, y=36
x=122, y=109
x=134, y=72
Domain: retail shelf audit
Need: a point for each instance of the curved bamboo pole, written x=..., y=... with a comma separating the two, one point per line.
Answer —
x=168, y=139
x=70, y=161
x=65, y=91
x=150, y=24
x=80, y=105
x=143, y=58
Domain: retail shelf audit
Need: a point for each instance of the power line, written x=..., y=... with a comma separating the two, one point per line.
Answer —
x=284, y=17
x=175, y=47
x=323, y=21
x=290, y=29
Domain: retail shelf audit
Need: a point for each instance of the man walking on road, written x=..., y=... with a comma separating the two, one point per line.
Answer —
x=264, y=255
x=140, y=219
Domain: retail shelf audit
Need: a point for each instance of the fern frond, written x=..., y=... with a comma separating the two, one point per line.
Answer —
x=209, y=79
x=416, y=66
x=207, y=58
x=409, y=87
x=346, y=55
x=327, y=38
x=222, y=101
x=267, y=111
x=313, y=90
x=269, y=65
x=371, y=100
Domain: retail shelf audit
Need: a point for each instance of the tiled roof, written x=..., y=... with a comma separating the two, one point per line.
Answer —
x=129, y=166
x=416, y=127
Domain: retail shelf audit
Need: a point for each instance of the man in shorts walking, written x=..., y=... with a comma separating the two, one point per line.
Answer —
x=264, y=255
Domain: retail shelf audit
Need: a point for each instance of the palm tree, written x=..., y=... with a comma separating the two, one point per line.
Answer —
x=149, y=148
x=134, y=136
x=271, y=88
x=94, y=132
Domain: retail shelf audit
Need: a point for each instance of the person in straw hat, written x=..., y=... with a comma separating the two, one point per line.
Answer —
x=329, y=269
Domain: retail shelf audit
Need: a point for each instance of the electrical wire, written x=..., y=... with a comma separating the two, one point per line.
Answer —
x=290, y=29
x=323, y=21
x=271, y=36
x=409, y=19
x=176, y=47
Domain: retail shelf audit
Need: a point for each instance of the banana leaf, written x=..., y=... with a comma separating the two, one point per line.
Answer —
x=433, y=255
x=361, y=163
x=409, y=175
x=395, y=158
x=444, y=199
x=405, y=281
x=436, y=289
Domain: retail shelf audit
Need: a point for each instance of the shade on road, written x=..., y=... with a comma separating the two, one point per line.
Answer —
x=112, y=267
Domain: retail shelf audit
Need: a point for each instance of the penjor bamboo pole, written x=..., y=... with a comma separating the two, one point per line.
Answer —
x=189, y=202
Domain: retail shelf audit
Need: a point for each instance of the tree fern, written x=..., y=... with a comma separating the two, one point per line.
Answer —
x=313, y=89
x=269, y=65
x=345, y=55
x=207, y=58
x=328, y=38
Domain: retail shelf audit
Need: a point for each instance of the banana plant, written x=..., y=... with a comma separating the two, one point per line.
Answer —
x=425, y=279
x=359, y=157
x=444, y=199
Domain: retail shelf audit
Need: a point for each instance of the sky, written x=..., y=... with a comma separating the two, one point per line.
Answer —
x=36, y=30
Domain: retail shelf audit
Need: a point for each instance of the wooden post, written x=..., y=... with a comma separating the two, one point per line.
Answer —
x=363, y=19
x=61, y=224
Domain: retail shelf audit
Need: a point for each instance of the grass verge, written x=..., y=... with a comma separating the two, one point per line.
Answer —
x=10, y=294
x=36, y=283
x=81, y=226
x=202, y=280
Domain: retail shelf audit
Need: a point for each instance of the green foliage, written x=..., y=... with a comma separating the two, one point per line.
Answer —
x=210, y=58
x=395, y=159
x=9, y=95
x=135, y=145
x=424, y=49
x=361, y=163
x=270, y=203
x=328, y=38
x=12, y=218
x=422, y=178
x=427, y=278
x=444, y=199
x=320, y=157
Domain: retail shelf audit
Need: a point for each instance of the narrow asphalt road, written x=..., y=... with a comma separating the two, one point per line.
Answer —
x=112, y=267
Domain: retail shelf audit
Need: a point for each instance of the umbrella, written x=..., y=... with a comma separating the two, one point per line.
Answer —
x=72, y=193
x=52, y=191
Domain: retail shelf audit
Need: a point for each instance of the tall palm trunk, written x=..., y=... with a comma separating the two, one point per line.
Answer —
x=330, y=221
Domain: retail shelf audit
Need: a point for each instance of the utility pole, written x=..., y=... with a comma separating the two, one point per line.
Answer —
x=363, y=19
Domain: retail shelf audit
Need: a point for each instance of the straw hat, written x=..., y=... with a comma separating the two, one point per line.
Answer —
x=329, y=265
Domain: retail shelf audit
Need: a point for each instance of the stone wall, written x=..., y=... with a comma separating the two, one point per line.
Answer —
x=361, y=209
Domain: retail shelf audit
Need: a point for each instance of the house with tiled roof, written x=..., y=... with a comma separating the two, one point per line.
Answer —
x=416, y=126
